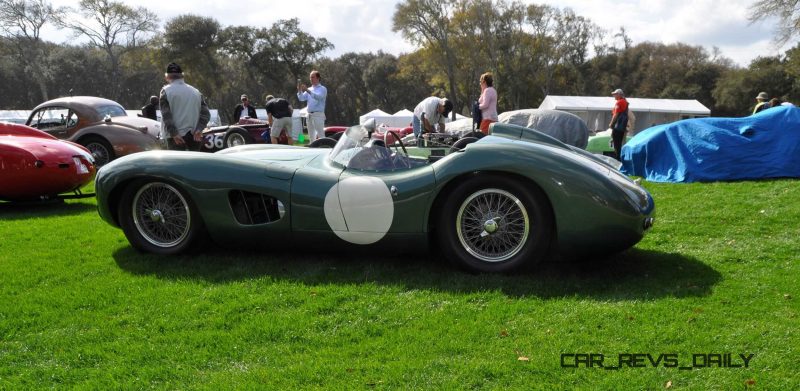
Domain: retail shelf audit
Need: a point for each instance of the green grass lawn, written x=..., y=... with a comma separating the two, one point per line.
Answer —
x=718, y=274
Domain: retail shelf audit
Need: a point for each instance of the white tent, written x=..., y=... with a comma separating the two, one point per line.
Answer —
x=16, y=116
x=379, y=115
x=596, y=110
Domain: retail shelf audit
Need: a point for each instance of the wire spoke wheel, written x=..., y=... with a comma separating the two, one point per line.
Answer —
x=161, y=214
x=492, y=225
x=100, y=152
x=236, y=139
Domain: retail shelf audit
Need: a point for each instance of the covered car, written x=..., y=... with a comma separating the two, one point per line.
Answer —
x=764, y=145
x=101, y=125
x=563, y=126
x=35, y=165
x=495, y=204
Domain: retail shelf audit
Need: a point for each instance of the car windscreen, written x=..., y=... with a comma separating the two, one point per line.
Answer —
x=351, y=142
x=111, y=110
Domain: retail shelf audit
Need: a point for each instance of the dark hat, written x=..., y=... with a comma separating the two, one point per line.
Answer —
x=174, y=68
x=448, y=107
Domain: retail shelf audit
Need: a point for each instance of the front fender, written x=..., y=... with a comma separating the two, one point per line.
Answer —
x=206, y=178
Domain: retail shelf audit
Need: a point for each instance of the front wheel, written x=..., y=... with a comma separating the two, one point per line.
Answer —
x=159, y=218
x=495, y=224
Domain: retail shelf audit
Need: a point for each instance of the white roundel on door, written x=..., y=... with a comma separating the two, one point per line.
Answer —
x=359, y=209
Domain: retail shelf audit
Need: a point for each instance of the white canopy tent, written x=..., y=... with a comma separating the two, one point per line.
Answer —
x=380, y=116
x=15, y=116
x=596, y=110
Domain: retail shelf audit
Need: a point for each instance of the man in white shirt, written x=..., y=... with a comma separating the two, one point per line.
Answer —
x=430, y=111
x=315, y=95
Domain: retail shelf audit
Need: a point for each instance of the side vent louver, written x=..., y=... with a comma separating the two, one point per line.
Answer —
x=254, y=208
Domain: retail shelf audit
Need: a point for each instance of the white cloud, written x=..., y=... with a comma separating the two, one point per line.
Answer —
x=366, y=26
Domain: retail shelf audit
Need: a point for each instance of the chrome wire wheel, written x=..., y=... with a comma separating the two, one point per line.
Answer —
x=100, y=153
x=492, y=225
x=235, y=139
x=161, y=214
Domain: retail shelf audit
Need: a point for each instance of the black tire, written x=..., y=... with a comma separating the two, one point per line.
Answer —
x=461, y=143
x=237, y=136
x=157, y=217
x=336, y=136
x=100, y=149
x=478, y=135
x=325, y=142
x=487, y=203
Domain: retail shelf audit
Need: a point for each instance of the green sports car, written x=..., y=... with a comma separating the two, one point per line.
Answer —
x=494, y=204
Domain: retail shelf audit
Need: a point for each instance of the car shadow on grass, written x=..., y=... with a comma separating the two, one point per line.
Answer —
x=632, y=275
x=42, y=209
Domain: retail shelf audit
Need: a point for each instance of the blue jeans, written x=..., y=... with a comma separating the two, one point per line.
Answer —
x=416, y=125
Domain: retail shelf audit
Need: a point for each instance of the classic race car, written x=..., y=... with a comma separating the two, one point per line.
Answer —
x=37, y=166
x=101, y=125
x=247, y=131
x=494, y=204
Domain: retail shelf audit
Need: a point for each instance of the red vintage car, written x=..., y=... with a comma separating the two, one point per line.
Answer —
x=382, y=133
x=379, y=133
x=37, y=166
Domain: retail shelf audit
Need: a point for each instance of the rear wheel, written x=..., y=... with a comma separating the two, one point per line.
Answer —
x=237, y=136
x=100, y=149
x=495, y=224
x=158, y=217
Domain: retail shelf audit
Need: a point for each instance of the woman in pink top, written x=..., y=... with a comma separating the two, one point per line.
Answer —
x=487, y=102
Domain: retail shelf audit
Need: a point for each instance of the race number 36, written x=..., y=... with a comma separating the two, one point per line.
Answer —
x=214, y=141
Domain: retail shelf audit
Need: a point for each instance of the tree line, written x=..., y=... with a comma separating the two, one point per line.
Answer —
x=532, y=50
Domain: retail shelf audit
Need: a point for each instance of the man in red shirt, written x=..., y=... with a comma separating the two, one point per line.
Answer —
x=619, y=121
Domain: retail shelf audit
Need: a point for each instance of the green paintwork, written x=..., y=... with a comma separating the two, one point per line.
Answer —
x=599, y=144
x=596, y=209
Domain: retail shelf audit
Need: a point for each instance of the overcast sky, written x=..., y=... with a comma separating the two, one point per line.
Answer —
x=366, y=25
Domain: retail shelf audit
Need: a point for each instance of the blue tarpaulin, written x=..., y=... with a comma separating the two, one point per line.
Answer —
x=764, y=145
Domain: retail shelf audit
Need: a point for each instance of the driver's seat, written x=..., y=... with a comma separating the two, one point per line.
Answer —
x=375, y=143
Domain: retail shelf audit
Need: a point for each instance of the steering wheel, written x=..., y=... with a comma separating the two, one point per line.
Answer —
x=399, y=140
x=397, y=137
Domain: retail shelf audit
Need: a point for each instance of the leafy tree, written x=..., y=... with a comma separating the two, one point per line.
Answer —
x=788, y=13
x=193, y=42
x=22, y=21
x=427, y=24
x=112, y=27
x=284, y=53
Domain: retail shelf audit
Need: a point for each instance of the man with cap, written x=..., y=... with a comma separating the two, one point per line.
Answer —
x=184, y=113
x=279, y=115
x=245, y=107
x=761, y=102
x=150, y=110
x=430, y=111
x=619, y=121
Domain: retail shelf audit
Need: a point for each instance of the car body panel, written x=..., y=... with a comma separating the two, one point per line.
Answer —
x=85, y=116
x=596, y=209
x=35, y=165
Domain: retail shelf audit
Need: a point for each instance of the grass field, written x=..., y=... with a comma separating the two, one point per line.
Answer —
x=718, y=274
